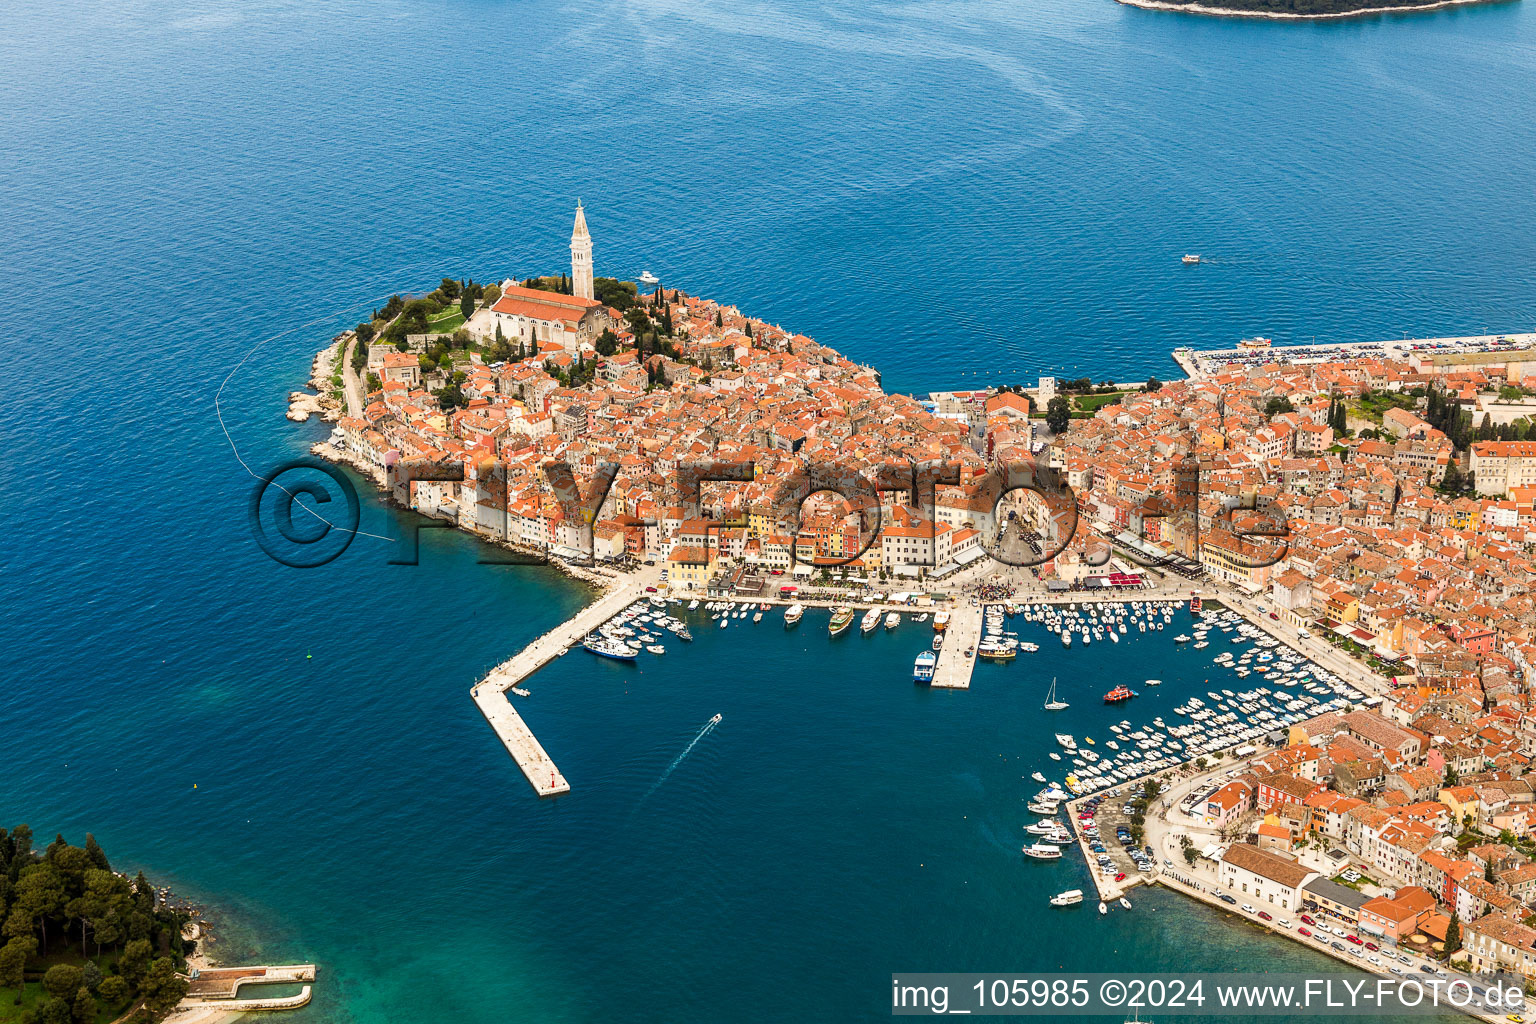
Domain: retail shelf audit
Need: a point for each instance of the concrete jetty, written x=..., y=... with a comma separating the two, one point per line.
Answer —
x=216, y=990
x=490, y=694
x=953, y=671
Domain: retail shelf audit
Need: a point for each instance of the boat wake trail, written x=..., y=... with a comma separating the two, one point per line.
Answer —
x=708, y=728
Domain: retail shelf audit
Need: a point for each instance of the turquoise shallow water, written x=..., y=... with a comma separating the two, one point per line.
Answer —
x=958, y=193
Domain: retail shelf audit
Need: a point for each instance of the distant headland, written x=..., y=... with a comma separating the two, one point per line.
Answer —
x=1299, y=10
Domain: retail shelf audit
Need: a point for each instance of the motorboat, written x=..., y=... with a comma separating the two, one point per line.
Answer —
x=893, y=620
x=1070, y=898
x=1037, y=776
x=1042, y=851
x=656, y=648
x=870, y=621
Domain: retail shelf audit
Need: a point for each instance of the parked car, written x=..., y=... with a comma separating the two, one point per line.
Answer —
x=1247, y=908
x=1303, y=931
x=1338, y=945
x=1353, y=940
x=1120, y=877
x=1307, y=920
x=1227, y=899
x=1264, y=916
x=1372, y=946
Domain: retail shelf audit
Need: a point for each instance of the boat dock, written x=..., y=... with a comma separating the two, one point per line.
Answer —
x=490, y=694
x=953, y=672
x=218, y=988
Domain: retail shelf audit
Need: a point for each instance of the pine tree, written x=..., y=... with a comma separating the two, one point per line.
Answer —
x=1453, y=933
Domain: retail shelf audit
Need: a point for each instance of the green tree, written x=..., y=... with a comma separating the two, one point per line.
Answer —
x=1191, y=855
x=1277, y=405
x=161, y=989
x=62, y=981
x=83, y=1007
x=1452, y=481
x=1453, y=934
x=450, y=288
x=134, y=963
x=90, y=975
x=39, y=896
x=467, y=305
x=1058, y=414
x=115, y=990
x=1153, y=384
x=55, y=1011
x=491, y=293
x=13, y=960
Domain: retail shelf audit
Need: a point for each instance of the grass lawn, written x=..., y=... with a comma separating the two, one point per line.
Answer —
x=33, y=993
x=446, y=322
x=1374, y=405
x=1093, y=403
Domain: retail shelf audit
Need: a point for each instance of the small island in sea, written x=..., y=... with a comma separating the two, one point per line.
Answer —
x=1296, y=9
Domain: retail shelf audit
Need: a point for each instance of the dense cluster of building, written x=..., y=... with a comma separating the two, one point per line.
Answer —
x=1424, y=799
x=1372, y=550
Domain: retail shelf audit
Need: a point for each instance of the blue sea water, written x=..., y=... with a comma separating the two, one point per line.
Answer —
x=958, y=193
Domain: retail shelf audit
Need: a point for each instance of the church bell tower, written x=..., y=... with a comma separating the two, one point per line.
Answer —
x=581, y=256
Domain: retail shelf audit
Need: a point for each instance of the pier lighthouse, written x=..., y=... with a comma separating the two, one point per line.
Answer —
x=581, y=256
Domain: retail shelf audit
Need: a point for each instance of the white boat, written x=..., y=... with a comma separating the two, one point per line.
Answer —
x=1055, y=756
x=870, y=620
x=792, y=614
x=693, y=605
x=892, y=620
x=646, y=277
x=1052, y=704
x=656, y=648
x=1042, y=851
x=1103, y=909
x=757, y=616
x=1066, y=741
x=1070, y=898
x=523, y=693
x=1125, y=903
x=1038, y=776
x=1154, y=682
x=1037, y=807
x=921, y=618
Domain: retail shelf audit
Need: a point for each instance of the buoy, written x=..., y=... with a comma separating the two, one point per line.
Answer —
x=194, y=785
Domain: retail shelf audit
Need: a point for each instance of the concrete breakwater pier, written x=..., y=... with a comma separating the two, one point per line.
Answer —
x=490, y=693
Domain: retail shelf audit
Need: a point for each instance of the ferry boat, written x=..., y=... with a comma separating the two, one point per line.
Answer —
x=605, y=648
x=1043, y=851
x=940, y=621
x=870, y=621
x=1190, y=259
x=922, y=668
x=994, y=653
x=792, y=615
x=1070, y=898
x=842, y=617
x=1118, y=694
x=893, y=620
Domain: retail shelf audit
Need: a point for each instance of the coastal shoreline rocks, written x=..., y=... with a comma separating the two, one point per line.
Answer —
x=1229, y=12
x=302, y=404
